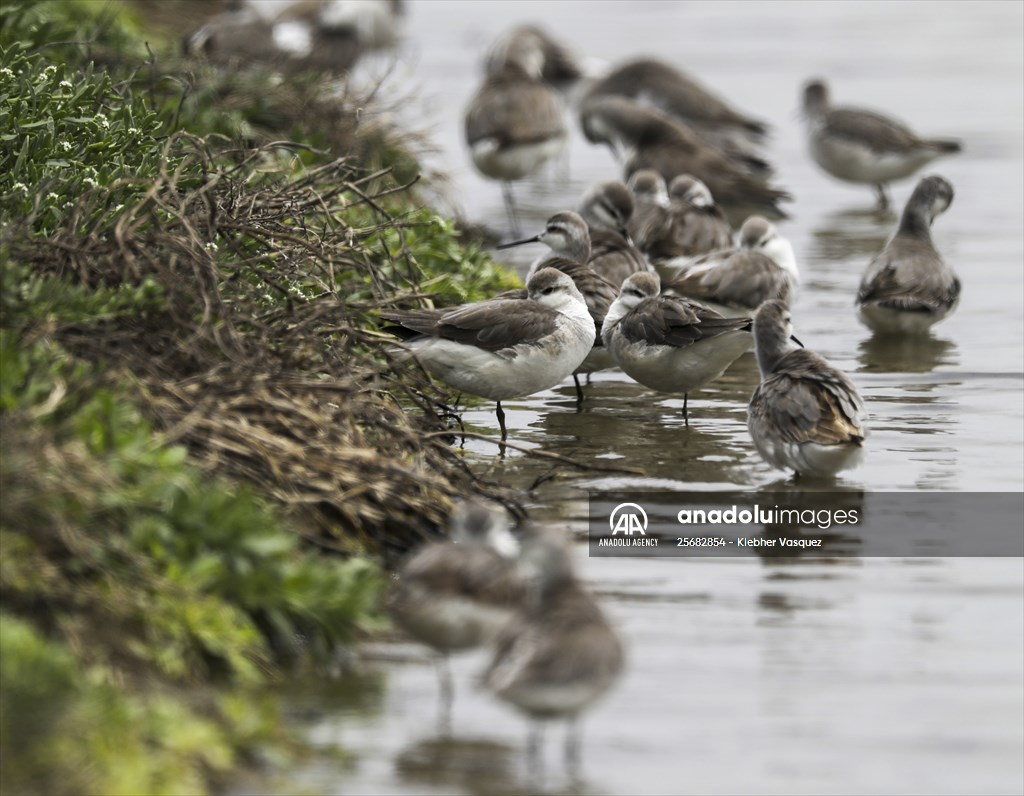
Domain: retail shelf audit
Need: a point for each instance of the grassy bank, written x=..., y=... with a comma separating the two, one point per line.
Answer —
x=207, y=446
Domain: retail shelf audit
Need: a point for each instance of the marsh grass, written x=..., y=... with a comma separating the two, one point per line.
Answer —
x=209, y=448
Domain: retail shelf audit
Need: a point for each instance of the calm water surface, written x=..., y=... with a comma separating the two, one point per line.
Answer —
x=867, y=675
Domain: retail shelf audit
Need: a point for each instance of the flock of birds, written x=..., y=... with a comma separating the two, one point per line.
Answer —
x=644, y=275
x=647, y=276
x=554, y=653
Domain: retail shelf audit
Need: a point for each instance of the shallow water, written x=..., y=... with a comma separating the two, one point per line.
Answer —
x=867, y=675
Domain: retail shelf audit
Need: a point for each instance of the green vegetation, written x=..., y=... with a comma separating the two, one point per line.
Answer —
x=197, y=410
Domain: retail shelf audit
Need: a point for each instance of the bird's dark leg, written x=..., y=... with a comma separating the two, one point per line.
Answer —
x=535, y=750
x=510, y=208
x=572, y=747
x=883, y=197
x=686, y=414
x=579, y=390
x=447, y=690
x=501, y=421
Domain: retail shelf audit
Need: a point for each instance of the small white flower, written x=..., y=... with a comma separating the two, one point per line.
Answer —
x=66, y=84
x=5, y=72
x=66, y=146
x=53, y=196
x=103, y=121
x=20, y=186
x=90, y=182
x=50, y=70
x=211, y=246
x=134, y=131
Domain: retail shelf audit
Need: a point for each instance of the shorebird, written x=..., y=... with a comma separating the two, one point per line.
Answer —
x=908, y=288
x=699, y=224
x=648, y=139
x=504, y=347
x=515, y=122
x=457, y=594
x=805, y=415
x=691, y=225
x=567, y=236
x=239, y=33
x=650, y=208
x=737, y=281
x=333, y=34
x=560, y=66
x=862, y=146
x=660, y=85
x=560, y=654
x=669, y=343
x=758, y=234
x=607, y=208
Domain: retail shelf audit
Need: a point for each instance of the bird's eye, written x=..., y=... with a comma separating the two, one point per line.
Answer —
x=548, y=291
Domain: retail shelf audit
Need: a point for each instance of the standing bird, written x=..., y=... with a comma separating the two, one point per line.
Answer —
x=669, y=343
x=737, y=281
x=457, y=594
x=504, y=347
x=567, y=236
x=645, y=138
x=862, y=146
x=805, y=415
x=908, y=288
x=560, y=654
x=607, y=208
x=515, y=122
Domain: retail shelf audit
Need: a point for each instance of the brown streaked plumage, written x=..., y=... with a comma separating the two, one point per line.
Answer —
x=805, y=415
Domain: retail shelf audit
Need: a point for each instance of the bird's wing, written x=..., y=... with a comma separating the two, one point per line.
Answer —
x=878, y=132
x=676, y=321
x=745, y=280
x=909, y=275
x=807, y=400
x=490, y=325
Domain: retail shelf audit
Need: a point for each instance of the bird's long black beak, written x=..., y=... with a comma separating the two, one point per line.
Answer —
x=793, y=338
x=534, y=239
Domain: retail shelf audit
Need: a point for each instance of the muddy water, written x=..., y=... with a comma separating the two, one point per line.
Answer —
x=868, y=675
